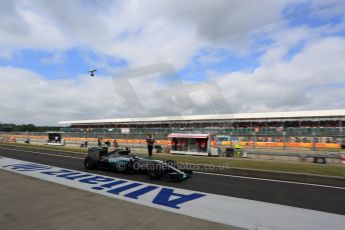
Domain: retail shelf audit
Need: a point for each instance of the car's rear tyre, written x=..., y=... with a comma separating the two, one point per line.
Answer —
x=89, y=163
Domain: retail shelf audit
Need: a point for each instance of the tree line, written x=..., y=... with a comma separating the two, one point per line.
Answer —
x=26, y=128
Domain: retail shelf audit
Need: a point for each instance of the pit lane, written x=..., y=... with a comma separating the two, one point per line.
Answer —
x=321, y=198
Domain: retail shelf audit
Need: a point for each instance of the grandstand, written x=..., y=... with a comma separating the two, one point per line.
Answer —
x=323, y=126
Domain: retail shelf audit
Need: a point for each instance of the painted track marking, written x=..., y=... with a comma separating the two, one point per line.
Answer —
x=233, y=211
x=196, y=172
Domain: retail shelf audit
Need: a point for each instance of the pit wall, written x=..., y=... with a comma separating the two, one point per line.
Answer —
x=140, y=145
x=287, y=144
x=167, y=142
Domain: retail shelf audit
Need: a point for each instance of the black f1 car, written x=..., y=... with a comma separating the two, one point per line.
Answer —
x=122, y=161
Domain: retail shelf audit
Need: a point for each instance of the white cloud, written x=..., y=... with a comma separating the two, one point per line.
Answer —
x=56, y=58
x=27, y=97
x=141, y=32
x=148, y=32
x=312, y=79
x=5, y=54
x=273, y=55
x=290, y=84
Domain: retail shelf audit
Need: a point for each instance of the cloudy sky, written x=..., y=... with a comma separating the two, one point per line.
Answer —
x=172, y=57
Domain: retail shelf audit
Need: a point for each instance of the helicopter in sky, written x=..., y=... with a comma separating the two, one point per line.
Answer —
x=92, y=72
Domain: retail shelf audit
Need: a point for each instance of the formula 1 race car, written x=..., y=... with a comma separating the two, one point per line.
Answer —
x=122, y=161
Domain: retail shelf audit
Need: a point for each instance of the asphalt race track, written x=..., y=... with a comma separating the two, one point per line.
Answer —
x=320, y=198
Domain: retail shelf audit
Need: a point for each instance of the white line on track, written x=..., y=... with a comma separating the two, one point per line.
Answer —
x=42, y=153
x=272, y=180
x=242, y=213
x=198, y=172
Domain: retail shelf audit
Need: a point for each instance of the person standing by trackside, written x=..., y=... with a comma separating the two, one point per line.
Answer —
x=115, y=144
x=99, y=141
x=150, y=140
x=86, y=143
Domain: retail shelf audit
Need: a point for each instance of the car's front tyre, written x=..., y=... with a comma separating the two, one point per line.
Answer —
x=155, y=174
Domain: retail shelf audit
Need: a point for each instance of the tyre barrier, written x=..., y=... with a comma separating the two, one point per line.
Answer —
x=320, y=160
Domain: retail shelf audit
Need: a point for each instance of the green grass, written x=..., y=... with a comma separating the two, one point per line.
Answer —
x=270, y=165
x=296, y=167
